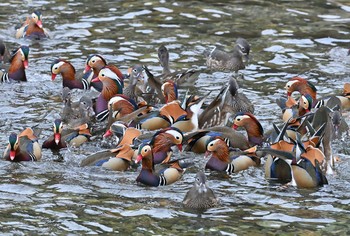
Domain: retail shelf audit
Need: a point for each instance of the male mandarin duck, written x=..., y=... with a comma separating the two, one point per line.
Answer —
x=252, y=125
x=63, y=136
x=112, y=84
x=119, y=158
x=200, y=196
x=228, y=102
x=163, y=118
x=23, y=147
x=149, y=176
x=169, y=91
x=189, y=122
x=94, y=63
x=305, y=164
x=19, y=62
x=67, y=70
x=233, y=61
x=55, y=141
x=119, y=107
x=162, y=141
x=32, y=27
x=220, y=159
x=185, y=78
x=303, y=87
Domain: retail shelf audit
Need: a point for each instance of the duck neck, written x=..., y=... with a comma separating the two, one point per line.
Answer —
x=222, y=153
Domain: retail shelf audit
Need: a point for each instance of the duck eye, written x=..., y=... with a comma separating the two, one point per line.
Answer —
x=238, y=119
x=103, y=75
x=56, y=68
x=93, y=61
x=146, y=150
x=211, y=144
x=177, y=137
x=134, y=70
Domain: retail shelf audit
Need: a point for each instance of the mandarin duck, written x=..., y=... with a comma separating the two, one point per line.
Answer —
x=252, y=125
x=162, y=141
x=220, y=159
x=135, y=74
x=112, y=84
x=343, y=100
x=200, y=196
x=163, y=118
x=228, y=102
x=148, y=176
x=169, y=91
x=18, y=64
x=66, y=136
x=303, y=87
x=67, y=70
x=119, y=107
x=217, y=59
x=119, y=158
x=94, y=63
x=305, y=164
x=23, y=147
x=196, y=141
x=185, y=78
x=32, y=27
x=189, y=122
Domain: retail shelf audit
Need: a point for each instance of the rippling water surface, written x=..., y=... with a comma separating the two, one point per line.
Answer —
x=288, y=38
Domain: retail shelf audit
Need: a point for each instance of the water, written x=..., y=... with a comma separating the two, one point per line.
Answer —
x=306, y=38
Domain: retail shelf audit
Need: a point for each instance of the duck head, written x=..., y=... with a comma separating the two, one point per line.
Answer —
x=57, y=130
x=36, y=17
x=93, y=62
x=14, y=144
x=217, y=147
x=169, y=90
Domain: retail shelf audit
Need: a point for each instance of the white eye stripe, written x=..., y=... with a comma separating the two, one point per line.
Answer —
x=289, y=83
x=108, y=73
x=174, y=133
x=115, y=99
x=239, y=118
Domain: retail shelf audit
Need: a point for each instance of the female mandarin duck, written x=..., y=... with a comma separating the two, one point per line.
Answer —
x=149, y=176
x=135, y=74
x=19, y=62
x=67, y=136
x=253, y=127
x=185, y=78
x=233, y=61
x=228, y=102
x=200, y=196
x=32, y=27
x=220, y=159
x=67, y=70
x=93, y=65
x=23, y=147
x=112, y=84
x=119, y=158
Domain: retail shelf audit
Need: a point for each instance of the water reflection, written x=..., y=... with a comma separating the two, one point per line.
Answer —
x=309, y=38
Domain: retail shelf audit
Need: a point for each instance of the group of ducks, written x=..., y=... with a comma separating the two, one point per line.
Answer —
x=297, y=151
